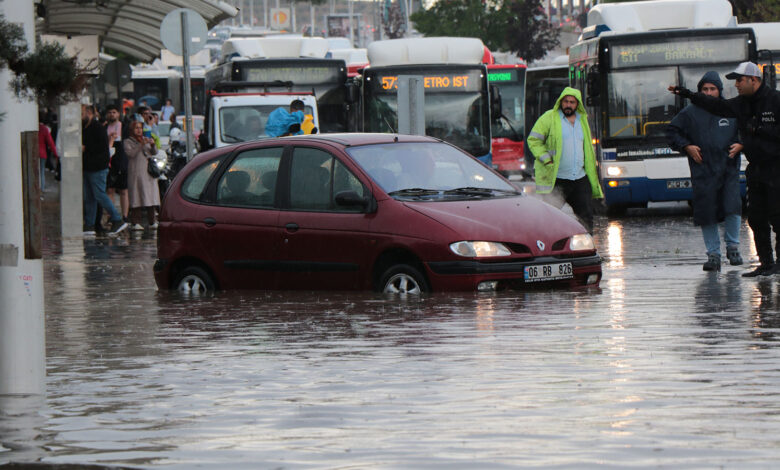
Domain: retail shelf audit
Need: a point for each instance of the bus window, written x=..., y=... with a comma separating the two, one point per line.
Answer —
x=639, y=102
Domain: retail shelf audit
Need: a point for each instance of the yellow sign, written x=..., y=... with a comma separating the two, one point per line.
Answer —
x=435, y=82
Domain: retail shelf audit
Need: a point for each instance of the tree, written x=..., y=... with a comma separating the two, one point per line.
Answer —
x=464, y=18
x=393, y=20
x=48, y=74
x=756, y=11
x=528, y=33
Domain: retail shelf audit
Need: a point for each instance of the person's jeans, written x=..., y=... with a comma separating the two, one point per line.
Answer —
x=94, y=194
x=730, y=234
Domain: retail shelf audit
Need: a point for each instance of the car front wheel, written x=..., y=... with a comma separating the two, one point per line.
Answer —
x=194, y=280
x=403, y=279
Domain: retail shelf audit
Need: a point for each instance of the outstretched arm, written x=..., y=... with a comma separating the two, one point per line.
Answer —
x=717, y=106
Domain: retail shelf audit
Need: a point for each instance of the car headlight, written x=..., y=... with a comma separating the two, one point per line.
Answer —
x=582, y=242
x=479, y=249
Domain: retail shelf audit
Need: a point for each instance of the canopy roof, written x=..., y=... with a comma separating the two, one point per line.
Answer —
x=130, y=26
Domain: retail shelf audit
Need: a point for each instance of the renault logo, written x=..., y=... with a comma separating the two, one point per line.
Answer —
x=540, y=244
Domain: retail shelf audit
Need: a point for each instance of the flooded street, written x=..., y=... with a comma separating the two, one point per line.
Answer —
x=663, y=366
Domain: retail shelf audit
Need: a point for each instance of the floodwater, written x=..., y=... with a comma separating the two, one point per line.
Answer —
x=663, y=366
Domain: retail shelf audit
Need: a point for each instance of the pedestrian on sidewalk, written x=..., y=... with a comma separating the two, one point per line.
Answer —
x=95, y=158
x=143, y=189
x=712, y=145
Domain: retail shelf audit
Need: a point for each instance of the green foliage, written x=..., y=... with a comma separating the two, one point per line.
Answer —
x=519, y=26
x=756, y=11
x=49, y=74
x=13, y=46
x=528, y=33
x=395, y=22
x=463, y=18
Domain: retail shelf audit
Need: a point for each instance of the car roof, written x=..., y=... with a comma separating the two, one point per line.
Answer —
x=343, y=139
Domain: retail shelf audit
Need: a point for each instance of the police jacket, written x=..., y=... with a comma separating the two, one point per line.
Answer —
x=758, y=119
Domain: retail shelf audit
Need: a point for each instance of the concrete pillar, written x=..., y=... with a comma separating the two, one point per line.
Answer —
x=72, y=184
x=22, y=334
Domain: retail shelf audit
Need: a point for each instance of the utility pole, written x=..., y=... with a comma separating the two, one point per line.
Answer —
x=22, y=323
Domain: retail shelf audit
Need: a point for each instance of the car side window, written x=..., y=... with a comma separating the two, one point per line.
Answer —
x=250, y=181
x=196, y=182
x=316, y=177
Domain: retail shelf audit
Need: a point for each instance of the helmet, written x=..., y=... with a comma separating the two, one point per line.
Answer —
x=175, y=134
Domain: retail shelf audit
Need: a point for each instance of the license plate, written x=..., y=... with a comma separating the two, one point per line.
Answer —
x=547, y=272
x=678, y=184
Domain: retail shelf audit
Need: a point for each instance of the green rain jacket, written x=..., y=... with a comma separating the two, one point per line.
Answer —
x=546, y=142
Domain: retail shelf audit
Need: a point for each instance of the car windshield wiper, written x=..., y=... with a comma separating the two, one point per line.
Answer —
x=474, y=191
x=233, y=137
x=414, y=192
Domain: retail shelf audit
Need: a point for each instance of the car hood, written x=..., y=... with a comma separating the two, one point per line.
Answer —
x=520, y=219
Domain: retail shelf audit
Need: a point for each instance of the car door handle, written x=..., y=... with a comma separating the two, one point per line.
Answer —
x=292, y=227
x=210, y=221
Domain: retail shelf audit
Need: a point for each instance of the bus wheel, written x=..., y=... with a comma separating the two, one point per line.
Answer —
x=616, y=210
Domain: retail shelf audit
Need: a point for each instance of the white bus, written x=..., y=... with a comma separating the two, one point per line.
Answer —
x=626, y=58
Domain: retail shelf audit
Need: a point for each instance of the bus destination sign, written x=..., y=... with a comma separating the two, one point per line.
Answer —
x=311, y=75
x=694, y=51
x=503, y=76
x=439, y=82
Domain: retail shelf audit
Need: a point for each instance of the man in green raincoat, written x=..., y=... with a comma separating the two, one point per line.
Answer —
x=565, y=161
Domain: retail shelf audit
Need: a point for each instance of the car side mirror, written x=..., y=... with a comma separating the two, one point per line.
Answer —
x=495, y=103
x=352, y=199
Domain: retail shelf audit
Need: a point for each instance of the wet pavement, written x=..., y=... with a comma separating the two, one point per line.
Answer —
x=663, y=366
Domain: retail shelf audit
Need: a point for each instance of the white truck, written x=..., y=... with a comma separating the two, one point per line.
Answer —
x=258, y=75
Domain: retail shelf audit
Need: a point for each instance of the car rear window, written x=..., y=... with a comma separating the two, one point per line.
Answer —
x=193, y=186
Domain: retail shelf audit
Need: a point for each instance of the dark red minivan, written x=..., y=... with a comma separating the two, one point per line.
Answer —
x=393, y=213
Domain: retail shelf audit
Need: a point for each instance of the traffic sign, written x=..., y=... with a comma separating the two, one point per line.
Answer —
x=171, y=29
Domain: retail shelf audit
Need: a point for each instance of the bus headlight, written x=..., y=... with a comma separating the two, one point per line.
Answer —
x=479, y=249
x=614, y=171
x=582, y=242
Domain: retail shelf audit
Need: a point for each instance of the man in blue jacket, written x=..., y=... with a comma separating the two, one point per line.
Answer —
x=712, y=145
x=280, y=120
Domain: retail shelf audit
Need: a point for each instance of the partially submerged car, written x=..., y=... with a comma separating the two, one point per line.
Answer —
x=393, y=213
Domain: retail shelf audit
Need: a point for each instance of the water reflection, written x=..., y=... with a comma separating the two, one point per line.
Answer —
x=765, y=299
x=615, y=244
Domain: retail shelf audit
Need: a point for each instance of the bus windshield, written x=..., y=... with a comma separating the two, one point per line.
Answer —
x=456, y=108
x=512, y=122
x=640, y=104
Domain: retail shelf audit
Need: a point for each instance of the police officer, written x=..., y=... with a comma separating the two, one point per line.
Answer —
x=757, y=110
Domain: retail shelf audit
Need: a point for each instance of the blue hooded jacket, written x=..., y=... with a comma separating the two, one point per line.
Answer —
x=280, y=120
x=715, y=181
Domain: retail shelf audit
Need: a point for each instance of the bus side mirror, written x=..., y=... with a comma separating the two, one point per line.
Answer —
x=594, y=84
x=353, y=92
x=495, y=103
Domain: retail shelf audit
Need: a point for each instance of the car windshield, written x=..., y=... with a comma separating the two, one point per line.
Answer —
x=244, y=123
x=428, y=170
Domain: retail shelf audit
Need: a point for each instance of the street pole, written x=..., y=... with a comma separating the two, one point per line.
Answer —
x=351, y=32
x=22, y=322
x=185, y=54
